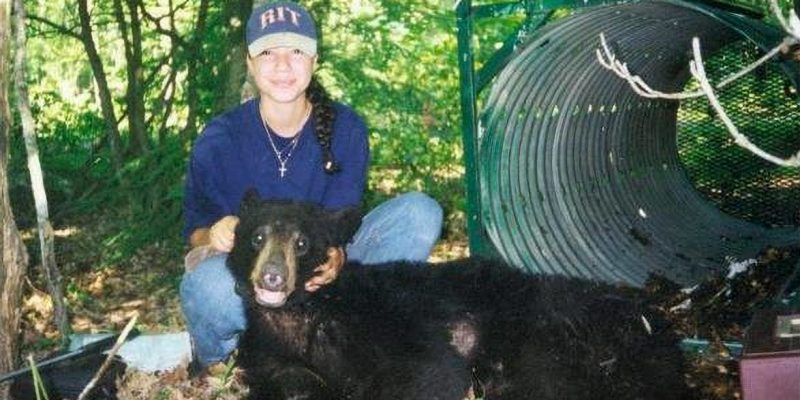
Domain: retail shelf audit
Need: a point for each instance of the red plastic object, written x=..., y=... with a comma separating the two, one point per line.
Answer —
x=770, y=365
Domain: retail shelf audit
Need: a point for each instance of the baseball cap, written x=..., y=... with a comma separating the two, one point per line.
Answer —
x=281, y=24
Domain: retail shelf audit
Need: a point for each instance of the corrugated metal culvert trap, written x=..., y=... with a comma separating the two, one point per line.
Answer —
x=582, y=176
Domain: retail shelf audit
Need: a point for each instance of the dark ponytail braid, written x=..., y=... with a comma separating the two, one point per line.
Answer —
x=324, y=115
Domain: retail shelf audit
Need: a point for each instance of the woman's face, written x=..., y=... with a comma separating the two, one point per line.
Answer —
x=282, y=74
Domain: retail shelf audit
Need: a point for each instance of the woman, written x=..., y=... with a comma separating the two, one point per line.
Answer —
x=290, y=142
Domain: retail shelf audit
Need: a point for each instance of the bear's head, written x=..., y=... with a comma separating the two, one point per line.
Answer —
x=279, y=244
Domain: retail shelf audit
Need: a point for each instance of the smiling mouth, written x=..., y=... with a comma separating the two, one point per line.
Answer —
x=283, y=84
x=270, y=298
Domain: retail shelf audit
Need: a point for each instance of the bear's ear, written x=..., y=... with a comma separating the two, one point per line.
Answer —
x=250, y=200
x=344, y=223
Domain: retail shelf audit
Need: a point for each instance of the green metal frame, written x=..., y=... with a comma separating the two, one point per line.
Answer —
x=469, y=124
x=537, y=13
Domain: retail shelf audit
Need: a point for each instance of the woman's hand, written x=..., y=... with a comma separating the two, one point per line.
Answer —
x=221, y=233
x=327, y=273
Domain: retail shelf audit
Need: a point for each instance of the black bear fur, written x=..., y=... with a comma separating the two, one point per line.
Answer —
x=433, y=331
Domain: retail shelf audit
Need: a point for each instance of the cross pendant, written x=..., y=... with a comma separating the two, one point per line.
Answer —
x=283, y=170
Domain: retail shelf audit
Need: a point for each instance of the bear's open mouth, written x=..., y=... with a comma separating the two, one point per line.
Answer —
x=271, y=285
x=270, y=298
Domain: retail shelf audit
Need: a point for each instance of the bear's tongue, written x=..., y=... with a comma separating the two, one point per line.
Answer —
x=270, y=298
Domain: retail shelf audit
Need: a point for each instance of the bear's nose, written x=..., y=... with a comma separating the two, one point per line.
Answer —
x=273, y=281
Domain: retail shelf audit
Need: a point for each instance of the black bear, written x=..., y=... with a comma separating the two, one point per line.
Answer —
x=469, y=328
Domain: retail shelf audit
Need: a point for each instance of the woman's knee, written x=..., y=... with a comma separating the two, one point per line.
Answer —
x=423, y=214
x=403, y=228
x=210, y=284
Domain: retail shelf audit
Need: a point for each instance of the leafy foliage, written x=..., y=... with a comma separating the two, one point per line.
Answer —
x=393, y=61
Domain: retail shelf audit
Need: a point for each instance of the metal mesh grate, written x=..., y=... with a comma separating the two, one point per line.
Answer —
x=764, y=107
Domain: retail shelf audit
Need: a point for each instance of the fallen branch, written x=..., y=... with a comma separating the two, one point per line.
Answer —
x=636, y=82
x=109, y=358
x=699, y=73
x=608, y=60
x=781, y=48
x=792, y=25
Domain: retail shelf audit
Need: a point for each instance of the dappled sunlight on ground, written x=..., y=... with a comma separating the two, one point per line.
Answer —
x=449, y=250
x=104, y=299
x=176, y=385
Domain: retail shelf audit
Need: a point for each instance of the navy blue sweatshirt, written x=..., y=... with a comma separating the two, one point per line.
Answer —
x=233, y=154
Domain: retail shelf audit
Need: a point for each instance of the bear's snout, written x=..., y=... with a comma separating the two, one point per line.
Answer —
x=274, y=277
x=270, y=288
x=273, y=281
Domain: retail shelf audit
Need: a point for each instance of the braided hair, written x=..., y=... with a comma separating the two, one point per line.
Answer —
x=324, y=115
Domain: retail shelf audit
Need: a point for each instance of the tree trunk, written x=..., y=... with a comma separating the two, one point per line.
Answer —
x=134, y=95
x=195, y=54
x=13, y=257
x=233, y=71
x=167, y=99
x=106, y=101
x=51, y=272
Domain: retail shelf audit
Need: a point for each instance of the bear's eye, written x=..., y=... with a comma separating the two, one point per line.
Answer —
x=257, y=240
x=301, y=245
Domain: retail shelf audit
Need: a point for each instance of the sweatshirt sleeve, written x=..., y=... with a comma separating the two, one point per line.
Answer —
x=203, y=203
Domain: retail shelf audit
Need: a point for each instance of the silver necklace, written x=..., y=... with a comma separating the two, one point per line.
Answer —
x=283, y=159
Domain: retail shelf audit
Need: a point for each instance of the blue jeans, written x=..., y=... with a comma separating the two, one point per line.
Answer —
x=403, y=228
